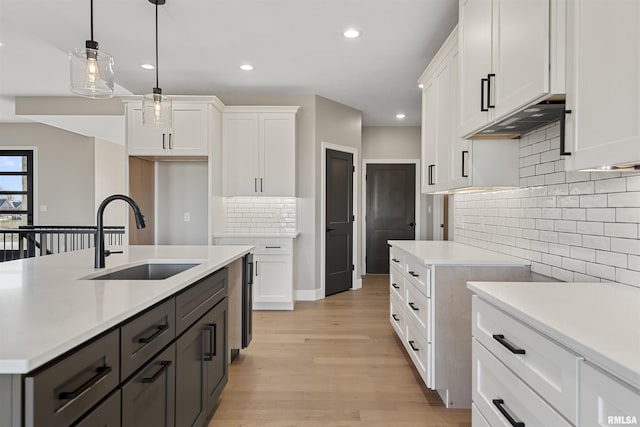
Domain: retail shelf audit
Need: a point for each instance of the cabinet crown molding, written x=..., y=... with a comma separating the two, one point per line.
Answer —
x=261, y=109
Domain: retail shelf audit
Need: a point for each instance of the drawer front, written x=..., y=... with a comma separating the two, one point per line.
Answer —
x=194, y=302
x=145, y=336
x=106, y=414
x=148, y=398
x=606, y=401
x=396, y=282
x=420, y=351
x=61, y=393
x=396, y=316
x=273, y=247
x=419, y=275
x=477, y=420
x=396, y=257
x=548, y=368
x=500, y=395
x=418, y=309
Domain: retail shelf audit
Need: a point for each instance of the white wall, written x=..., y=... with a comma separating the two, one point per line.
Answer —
x=184, y=190
x=110, y=179
x=64, y=171
x=574, y=226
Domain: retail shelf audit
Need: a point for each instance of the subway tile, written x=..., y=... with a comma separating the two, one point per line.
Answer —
x=612, y=258
x=537, y=136
x=574, y=214
x=570, y=239
x=596, y=242
x=539, y=246
x=537, y=191
x=596, y=228
x=540, y=268
x=627, y=215
x=533, y=255
x=629, y=277
x=531, y=160
x=547, y=202
x=599, y=270
x=558, y=190
x=611, y=185
x=579, y=188
x=540, y=147
x=595, y=176
x=562, y=274
x=544, y=224
x=633, y=183
x=533, y=213
x=550, y=259
x=585, y=254
x=554, y=178
x=549, y=236
x=544, y=168
x=530, y=202
x=568, y=201
x=627, y=246
x=550, y=156
x=560, y=166
x=534, y=181
x=528, y=233
x=552, y=131
x=573, y=265
x=551, y=213
x=629, y=231
x=579, y=277
x=577, y=176
x=593, y=201
x=565, y=226
x=558, y=249
x=629, y=199
x=634, y=262
x=523, y=243
x=603, y=214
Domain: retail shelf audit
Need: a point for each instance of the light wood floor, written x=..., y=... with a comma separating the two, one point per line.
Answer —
x=334, y=362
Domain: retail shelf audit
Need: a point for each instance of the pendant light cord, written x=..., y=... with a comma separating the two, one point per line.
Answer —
x=156, y=43
x=91, y=20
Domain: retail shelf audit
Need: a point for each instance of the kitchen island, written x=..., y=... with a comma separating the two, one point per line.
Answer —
x=51, y=309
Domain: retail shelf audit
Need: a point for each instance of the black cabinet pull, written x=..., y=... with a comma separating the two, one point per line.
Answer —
x=211, y=328
x=160, y=330
x=101, y=372
x=261, y=190
x=395, y=286
x=250, y=281
x=272, y=247
x=414, y=348
x=464, y=175
x=430, y=180
x=395, y=260
x=395, y=317
x=489, y=104
x=164, y=145
x=255, y=185
x=482, y=85
x=563, y=119
x=499, y=403
x=170, y=144
x=502, y=340
x=413, y=273
x=413, y=307
x=164, y=365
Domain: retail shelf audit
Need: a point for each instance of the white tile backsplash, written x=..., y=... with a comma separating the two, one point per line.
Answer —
x=574, y=226
x=260, y=215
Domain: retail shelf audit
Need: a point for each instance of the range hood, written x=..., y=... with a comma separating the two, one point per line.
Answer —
x=524, y=121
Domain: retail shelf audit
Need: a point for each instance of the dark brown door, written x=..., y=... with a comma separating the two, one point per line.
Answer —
x=339, y=228
x=391, y=207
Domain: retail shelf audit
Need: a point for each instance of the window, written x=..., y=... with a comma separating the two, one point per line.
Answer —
x=16, y=188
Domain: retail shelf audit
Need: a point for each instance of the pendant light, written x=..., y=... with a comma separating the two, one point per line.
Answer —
x=91, y=70
x=156, y=108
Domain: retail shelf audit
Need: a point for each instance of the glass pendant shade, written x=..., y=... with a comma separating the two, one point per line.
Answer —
x=157, y=110
x=91, y=72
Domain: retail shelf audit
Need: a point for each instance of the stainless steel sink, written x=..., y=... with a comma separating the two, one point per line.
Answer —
x=149, y=271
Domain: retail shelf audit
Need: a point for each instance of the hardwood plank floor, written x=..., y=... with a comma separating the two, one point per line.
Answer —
x=333, y=362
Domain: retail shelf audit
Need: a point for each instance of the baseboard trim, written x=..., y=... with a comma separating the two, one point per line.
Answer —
x=272, y=305
x=308, y=295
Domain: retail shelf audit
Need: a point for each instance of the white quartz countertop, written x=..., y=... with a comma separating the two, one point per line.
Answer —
x=434, y=252
x=46, y=308
x=292, y=235
x=600, y=321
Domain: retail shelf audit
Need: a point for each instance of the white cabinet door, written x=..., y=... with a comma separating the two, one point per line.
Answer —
x=273, y=282
x=241, y=132
x=278, y=135
x=189, y=134
x=444, y=129
x=603, y=93
x=143, y=140
x=475, y=46
x=520, y=53
x=460, y=151
x=429, y=135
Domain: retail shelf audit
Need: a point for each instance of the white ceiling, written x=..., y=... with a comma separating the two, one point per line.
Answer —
x=296, y=46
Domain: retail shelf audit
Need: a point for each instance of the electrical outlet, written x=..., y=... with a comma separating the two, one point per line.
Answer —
x=187, y=216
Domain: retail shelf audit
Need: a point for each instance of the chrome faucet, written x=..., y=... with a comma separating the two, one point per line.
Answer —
x=140, y=223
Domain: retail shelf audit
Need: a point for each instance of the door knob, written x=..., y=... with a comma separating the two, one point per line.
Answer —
x=411, y=224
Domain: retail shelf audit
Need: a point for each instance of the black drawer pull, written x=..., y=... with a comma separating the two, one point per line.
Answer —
x=414, y=348
x=395, y=286
x=413, y=307
x=498, y=403
x=147, y=340
x=489, y=104
x=395, y=260
x=272, y=247
x=101, y=372
x=164, y=366
x=212, y=339
x=395, y=317
x=413, y=273
x=502, y=340
x=482, y=86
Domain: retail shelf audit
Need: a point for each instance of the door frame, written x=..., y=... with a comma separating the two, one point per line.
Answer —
x=356, y=280
x=418, y=220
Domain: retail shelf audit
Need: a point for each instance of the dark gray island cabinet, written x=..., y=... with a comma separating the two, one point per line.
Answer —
x=165, y=366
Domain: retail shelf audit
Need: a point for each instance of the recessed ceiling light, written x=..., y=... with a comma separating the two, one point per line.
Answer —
x=420, y=85
x=0, y=43
x=246, y=67
x=400, y=116
x=352, y=33
x=148, y=66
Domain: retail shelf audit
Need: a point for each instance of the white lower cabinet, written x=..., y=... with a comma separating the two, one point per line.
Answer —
x=272, y=270
x=606, y=401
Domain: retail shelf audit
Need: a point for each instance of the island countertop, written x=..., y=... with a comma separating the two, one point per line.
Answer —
x=600, y=321
x=47, y=307
x=435, y=252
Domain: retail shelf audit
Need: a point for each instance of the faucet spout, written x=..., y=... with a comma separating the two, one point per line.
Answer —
x=140, y=223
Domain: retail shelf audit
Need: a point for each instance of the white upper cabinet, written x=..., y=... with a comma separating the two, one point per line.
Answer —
x=187, y=137
x=258, y=147
x=603, y=87
x=512, y=56
x=429, y=135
